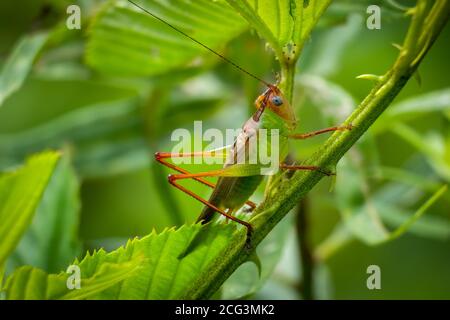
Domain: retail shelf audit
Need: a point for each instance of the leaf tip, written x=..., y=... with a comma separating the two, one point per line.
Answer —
x=371, y=77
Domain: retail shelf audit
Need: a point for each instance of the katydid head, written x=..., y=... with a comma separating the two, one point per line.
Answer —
x=274, y=100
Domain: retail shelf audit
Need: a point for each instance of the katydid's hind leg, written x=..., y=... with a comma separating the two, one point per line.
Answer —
x=173, y=181
x=301, y=136
x=308, y=168
x=162, y=156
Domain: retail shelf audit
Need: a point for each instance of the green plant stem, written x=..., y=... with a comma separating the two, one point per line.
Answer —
x=306, y=258
x=287, y=80
x=306, y=255
x=425, y=27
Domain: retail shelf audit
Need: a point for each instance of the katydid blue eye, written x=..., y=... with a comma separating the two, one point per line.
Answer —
x=277, y=101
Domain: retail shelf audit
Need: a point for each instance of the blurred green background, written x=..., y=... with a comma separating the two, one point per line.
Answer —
x=88, y=96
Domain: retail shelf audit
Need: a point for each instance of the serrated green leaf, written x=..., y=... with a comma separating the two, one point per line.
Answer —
x=28, y=283
x=19, y=64
x=123, y=32
x=161, y=275
x=51, y=242
x=20, y=193
x=282, y=23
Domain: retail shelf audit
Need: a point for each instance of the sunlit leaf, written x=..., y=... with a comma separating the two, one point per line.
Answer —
x=29, y=283
x=20, y=193
x=51, y=242
x=124, y=33
x=282, y=22
x=161, y=275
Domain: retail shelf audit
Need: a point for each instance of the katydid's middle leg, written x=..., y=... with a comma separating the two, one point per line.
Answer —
x=301, y=136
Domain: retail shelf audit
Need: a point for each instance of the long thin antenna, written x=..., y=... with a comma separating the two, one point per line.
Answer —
x=198, y=42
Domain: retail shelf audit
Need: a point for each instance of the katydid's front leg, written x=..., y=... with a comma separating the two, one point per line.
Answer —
x=301, y=136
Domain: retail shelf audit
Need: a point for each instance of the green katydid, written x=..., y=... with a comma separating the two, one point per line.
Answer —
x=238, y=181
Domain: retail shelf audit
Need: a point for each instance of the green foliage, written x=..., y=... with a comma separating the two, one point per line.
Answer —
x=361, y=211
x=109, y=123
x=436, y=101
x=29, y=283
x=249, y=277
x=19, y=64
x=282, y=22
x=285, y=195
x=20, y=193
x=51, y=242
x=367, y=213
x=123, y=32
x=285, y=25
x=84, y=113
x=433, y=146
x=161, y=274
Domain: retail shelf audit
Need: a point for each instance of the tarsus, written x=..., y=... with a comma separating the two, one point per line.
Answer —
x=198, y=42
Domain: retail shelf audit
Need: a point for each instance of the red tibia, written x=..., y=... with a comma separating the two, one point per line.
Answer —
x=161, y=156
x=174, y=178
x=315, y=133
